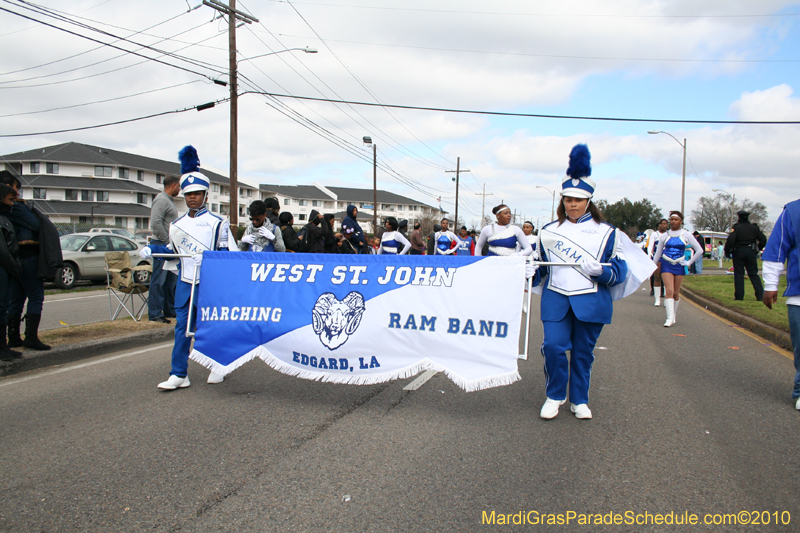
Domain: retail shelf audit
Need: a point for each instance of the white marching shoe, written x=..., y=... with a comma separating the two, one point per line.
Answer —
x=215, y=378
x=550, y=408
x=658, y=299
x=675, y=312
x=669, y=303
x=581, y=411
x=797, y=405
x=174, y=382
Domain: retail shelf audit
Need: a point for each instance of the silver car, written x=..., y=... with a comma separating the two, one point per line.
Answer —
x=84, y=257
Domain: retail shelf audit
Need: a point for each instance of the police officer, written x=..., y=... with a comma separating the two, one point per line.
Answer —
x=743, y=245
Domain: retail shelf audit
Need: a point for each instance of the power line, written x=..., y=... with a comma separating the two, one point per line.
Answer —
x=535, y=115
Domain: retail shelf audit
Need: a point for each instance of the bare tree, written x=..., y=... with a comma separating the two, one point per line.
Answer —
x=718, y=213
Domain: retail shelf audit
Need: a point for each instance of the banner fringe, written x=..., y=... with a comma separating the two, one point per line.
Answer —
x=217, y=368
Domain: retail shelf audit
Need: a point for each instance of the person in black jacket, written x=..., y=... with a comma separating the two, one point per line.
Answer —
x=292, y=242
x=273, y=210
x=9, y=265
x=313, y=234
x=29, y=286
x=743, y=245
x=331, y=237
x=345, y=244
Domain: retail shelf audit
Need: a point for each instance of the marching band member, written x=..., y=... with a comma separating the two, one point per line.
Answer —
x=670, y=254
x=652, y=245
x=392, y=239
x=576, y=301
x=503, y=238
x=193, y=233
x=527, y=229
x=444, y=239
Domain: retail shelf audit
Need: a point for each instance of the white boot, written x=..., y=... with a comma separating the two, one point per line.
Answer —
x=669, y=303
x=675, y=312
x=658, y=296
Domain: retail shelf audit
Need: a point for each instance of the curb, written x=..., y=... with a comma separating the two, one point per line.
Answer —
x=770, y=333
x=68, y=353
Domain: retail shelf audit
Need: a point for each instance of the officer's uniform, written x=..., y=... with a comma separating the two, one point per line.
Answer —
x=743, y=245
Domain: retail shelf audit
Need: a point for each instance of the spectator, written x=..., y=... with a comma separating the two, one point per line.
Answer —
x=697, y=266
x=331, y=237
x=261, y=235
x=783, y=245
x=161, y=303
x=417, y=246
x=743, y=244
x=721, y=253
x=313, y=235
x=290, y=239
x=357, y=237
x=345, y=243
x=9, y=264
x=273, y=210
x=432, y=238
x=39, y=249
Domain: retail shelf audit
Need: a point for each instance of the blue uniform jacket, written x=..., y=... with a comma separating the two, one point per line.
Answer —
x=783, y=245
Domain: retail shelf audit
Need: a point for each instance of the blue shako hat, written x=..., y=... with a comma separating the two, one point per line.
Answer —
x=191, y=178
x=577, y=183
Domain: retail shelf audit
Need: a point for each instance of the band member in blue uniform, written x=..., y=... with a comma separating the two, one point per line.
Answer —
x=193, y=233
x=444, y=239
x=671, y=253
x=576, y=301
x=392, y=239
x=503, y=238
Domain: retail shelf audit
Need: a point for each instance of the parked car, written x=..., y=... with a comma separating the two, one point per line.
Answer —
x=143, y=236
x=84, y=257
x=118, y=231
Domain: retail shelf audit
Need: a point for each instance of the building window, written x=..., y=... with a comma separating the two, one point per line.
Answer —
x=302, y=216
x=215, y=187
x=39, y=193
x=84, y=220
x=249, y=193
x=124, y=173
x=214, y=208
x=141, y=198
x=152, y=197
x=34, y=168
x=87, y=196
x=302, y=202
x=159, y=178
x=386, y=206
x=314, y=203
x=361, y=204
x=286, y=201
x=142, y=222
x=401, y=207
x=70, y=194
x=103, y=171
x=102, y=196
x=122, y=222
x=51, y=168
x=140, y=175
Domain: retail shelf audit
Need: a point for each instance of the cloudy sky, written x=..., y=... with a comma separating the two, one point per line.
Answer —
x=663, y=60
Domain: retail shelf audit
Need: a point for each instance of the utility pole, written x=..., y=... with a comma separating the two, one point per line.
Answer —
x=233, y=17
x=458, y=172
x=484, y=194
x=375, y=189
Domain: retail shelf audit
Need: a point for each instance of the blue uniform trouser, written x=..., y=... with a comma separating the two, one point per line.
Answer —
x=181, y=350
x=28, y=286
x=579, y=338
x=794, y=329
x=162, y=289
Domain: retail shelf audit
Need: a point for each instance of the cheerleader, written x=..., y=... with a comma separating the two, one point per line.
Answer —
x=670, y=255
x=392, y=239
x=527, y=229
x=443, y=240
x=503, y=238
x=576, y=301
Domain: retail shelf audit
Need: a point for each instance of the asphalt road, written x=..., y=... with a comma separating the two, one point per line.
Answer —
x=694, y=419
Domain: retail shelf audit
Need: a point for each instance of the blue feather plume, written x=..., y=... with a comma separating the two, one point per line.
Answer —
x=579, y=162
x=190, y=162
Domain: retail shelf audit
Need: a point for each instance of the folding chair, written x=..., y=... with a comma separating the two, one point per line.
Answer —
x=122, y=285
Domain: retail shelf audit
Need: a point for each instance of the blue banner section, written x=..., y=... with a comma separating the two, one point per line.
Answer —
x=249, y=299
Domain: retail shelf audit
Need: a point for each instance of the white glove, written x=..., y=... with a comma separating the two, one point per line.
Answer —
x=264, y=232
x=683, y=262
x=197, y=259
x=146, y=253
x=530, y=270
x=249, y=239
x=591, y=266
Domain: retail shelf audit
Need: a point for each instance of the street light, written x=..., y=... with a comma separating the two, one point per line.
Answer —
x=683, y=179
x=553, y=204
x=733, y=204
x=368, y=142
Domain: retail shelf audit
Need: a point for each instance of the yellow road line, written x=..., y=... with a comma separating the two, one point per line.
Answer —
x=785, y=353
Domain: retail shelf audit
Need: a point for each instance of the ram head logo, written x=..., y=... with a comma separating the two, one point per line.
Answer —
x=335, y=320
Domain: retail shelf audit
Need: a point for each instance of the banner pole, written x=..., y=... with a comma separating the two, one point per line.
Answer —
x=524, y=355
x=191, y=302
